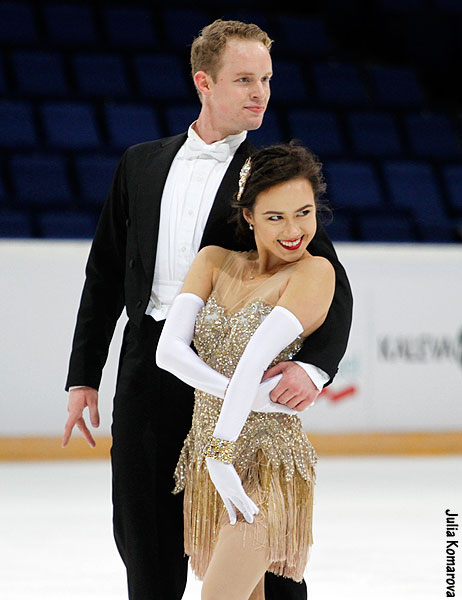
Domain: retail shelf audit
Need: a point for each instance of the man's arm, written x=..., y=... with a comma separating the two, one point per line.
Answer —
x=325, y=347
x=102, y=298
x=101, y=304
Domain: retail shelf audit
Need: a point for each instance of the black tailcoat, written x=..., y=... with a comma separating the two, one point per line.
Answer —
x=152, y=409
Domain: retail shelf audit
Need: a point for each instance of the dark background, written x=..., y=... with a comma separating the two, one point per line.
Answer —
x=373, y=87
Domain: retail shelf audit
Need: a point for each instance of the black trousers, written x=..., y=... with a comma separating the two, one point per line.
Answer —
x=151, y=418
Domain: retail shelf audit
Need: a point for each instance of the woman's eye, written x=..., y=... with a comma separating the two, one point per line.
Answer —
x=303, y=213
x=275, y=218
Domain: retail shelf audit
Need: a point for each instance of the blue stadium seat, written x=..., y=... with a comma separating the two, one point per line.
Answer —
x=432, y=136
x=39, y=73
x=179, y=117
x=270, y=131
x=413, y=185
x=288, y=85
x=385, y=228
x=70, y=125
x=162, y=76
x=70, y=24
x=374, y=134
x=317, y=129
x=130, y=124
x=396, y=87
x=100, y=74
x=17, y=126
x=129, y=26
x=340, y=228
x=67, y=225
x=340, y=84
x=17, y=23
x=40, y=180
x=94, y=175
x=183, y=25
x=452, y=176
x=15, y=224
x=352, y=185
x=304, y=35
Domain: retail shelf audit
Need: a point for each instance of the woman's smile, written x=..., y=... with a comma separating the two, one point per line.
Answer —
x=291, y=244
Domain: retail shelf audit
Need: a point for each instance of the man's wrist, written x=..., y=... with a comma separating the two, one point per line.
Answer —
x=317, y=375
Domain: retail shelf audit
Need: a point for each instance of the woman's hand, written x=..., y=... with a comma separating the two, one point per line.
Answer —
x=229, y=486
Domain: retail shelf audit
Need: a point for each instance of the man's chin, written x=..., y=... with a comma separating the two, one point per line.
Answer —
x=254, y=124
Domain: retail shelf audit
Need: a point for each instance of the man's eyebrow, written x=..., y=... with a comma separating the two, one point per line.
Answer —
x=241, y=74
x=276, y=212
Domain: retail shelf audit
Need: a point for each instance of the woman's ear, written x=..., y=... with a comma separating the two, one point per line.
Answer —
x=247, y=216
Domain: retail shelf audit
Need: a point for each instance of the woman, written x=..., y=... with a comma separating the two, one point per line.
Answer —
x=245, y=311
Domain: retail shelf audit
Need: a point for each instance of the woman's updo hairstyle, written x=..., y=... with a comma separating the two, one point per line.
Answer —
x=273, y=165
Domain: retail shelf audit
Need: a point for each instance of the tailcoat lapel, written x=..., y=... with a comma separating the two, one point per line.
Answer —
x=148, y=198
x=221, y=208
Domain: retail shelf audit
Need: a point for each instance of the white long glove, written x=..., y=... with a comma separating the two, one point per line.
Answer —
x=277, y=331
x=228, y=484
x=174, y=354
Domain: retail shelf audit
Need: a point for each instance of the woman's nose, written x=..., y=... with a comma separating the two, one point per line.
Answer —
x=292, y=231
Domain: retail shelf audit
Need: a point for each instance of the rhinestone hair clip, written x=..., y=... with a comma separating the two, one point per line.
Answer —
x=243, y=176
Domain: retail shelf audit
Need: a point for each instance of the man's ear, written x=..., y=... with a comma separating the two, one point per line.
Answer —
x=202, y=82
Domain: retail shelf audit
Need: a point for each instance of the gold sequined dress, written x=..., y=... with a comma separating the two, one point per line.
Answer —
x=274, y=458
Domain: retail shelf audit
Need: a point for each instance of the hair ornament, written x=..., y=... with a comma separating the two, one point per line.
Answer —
x=243, y=176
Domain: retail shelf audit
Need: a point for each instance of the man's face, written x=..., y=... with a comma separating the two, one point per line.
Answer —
x=240, y=94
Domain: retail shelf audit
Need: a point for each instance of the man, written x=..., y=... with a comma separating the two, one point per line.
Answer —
x=169, y=198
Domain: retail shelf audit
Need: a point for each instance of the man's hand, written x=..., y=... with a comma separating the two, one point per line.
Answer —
x=295, y=389
x=79, y=399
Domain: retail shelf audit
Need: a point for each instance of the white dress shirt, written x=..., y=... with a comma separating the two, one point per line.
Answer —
x=192, y=183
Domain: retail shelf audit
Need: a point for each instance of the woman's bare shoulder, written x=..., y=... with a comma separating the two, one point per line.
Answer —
x=215, y=254
x=314, y=266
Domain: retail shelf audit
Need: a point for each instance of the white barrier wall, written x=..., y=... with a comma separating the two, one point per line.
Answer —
x=402, y=370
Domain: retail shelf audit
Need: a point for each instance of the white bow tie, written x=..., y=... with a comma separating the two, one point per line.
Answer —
x=197, y=149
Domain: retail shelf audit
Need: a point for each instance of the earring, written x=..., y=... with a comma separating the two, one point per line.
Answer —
x=250, y=226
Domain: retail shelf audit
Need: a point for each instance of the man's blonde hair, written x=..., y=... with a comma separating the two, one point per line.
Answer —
x=207, y=49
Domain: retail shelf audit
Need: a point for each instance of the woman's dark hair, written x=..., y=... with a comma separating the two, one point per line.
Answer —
x=273, y=165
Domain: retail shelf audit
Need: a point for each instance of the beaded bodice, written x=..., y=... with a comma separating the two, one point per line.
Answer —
x=220, y=340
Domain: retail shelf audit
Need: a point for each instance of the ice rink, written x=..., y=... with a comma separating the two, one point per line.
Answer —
x=379, y=526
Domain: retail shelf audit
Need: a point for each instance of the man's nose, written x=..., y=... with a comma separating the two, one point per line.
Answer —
x=258, y=90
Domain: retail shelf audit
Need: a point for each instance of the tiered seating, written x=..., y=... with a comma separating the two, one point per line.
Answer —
x=129, y=124
x=81, y=81
x=99, y=74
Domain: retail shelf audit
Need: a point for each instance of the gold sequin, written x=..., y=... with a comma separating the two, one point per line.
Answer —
x=273, y=456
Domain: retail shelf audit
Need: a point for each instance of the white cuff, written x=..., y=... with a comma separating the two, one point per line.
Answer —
x=317, y=375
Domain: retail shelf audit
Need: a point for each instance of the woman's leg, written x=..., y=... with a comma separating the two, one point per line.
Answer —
x=238, y=566
x=259, y=591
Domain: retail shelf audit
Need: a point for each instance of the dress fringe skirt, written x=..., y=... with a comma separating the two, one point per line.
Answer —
x=286, y=510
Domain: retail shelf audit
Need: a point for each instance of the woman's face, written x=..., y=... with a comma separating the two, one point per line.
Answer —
x=284, y=221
